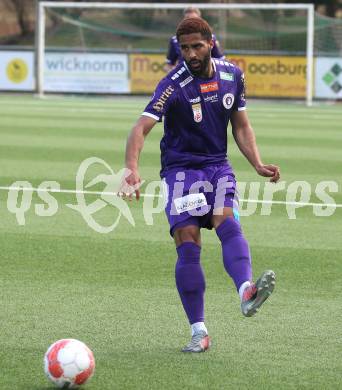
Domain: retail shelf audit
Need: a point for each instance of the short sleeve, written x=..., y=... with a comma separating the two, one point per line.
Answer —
x=163, y=96
x=240, y=101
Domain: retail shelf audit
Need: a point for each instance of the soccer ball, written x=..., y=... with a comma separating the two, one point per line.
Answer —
x=69, y=363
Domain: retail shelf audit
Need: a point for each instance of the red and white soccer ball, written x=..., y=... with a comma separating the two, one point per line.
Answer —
x=69, y=363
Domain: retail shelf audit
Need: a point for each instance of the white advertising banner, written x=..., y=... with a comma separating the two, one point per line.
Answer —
x=16, y=71
x=328, y=80
x=85, y=72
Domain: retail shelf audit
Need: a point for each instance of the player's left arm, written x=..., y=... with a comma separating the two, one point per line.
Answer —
x=245, y=138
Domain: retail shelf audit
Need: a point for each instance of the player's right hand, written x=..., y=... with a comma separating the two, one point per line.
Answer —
x=130, y=184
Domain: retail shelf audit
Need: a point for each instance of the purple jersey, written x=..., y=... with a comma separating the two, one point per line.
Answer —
x=174, y=53
x=196, y=114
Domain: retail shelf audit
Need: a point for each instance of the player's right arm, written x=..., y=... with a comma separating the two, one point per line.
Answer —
x=134, y=146
x=153, y=113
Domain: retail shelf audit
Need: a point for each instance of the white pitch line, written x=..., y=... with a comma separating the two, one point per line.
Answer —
x=85, y=192
x=290, y=203
x=62, y=191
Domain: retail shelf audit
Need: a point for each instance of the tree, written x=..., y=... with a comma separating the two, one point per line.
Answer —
x=24, y=11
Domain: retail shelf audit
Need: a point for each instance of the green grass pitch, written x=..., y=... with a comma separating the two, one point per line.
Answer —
x=116, y=291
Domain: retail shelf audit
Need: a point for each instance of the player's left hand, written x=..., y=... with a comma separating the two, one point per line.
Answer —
x=269, y=170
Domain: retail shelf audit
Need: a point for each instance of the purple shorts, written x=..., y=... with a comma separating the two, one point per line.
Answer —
x=193, y=195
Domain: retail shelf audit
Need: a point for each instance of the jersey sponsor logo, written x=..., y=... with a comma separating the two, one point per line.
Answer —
x=209, y=87
x=186, y=81
x=226, y=76
x=190, y=202
x=211, y=99
x=228, y=100
x=177, y=74
x=197, y=110
x=195, y=100
x=159, y=104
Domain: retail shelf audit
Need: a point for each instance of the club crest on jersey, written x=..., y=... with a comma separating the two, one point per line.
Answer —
x=228, y=100
x=209, y=87
x=197, y=110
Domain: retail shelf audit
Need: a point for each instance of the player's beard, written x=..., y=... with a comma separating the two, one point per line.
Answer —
x=202, y=68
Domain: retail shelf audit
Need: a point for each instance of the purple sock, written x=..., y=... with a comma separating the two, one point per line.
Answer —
x=235, y=251
x=190, y=281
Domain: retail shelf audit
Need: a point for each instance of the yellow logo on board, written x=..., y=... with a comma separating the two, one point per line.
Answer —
x=17, y=70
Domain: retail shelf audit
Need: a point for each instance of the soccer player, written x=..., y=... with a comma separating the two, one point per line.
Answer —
x=174, y=54
x=197, y=100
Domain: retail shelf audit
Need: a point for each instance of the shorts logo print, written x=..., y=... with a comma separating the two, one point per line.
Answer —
x=190, y=202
